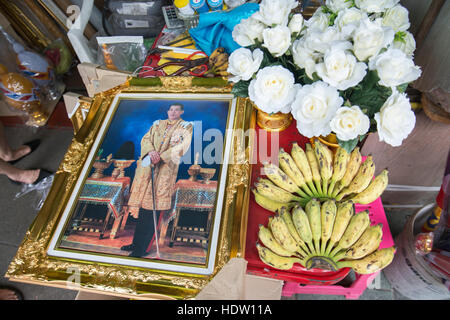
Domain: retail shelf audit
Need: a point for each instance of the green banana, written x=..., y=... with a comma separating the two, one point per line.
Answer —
x=328, y=215
x=269, y=204
x=361, y=180
x=344, y=213
x=267, y=239
x=287, y=218
x=372, y=263
x=341, y=160
x=275, y=261
x=312, y=210
x=358, y=224
x=368, y=242
x=277, y=176
x=352, y=169
x=374, y=190
x=287, y=164
x=266, y=188
x=301, y=160
x=301, y=224
x=314, y=168
x=281, y=233
x=324, y=160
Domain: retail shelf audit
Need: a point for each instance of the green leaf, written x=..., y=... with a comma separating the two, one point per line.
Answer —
x=348, y=145
x=400, y=36
x=402, y=87
x=369, y=95
x=240, y=89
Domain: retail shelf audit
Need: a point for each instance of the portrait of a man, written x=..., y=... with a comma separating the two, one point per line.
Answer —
x=161, y=150
x=150, y=193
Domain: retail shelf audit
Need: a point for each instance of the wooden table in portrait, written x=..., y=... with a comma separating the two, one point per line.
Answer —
x=103, y=191
x=190, y=197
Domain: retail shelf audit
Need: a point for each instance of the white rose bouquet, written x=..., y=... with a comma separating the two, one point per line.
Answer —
x=343, y=71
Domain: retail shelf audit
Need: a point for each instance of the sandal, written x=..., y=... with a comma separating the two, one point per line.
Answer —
x=16, y=291
x=34, y=144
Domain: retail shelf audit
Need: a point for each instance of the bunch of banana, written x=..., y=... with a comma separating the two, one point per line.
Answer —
x=218, y=63
x=316, y=173
x=328, y=236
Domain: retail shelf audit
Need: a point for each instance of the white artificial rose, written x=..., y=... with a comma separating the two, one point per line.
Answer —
x=296, y=23
x=349, y=123
x=321, y=41
x=319, y=21
x=370, y=37
x=273, y=89
x=394, y=68
x=348, y=20
x=314, y=107
x=304, y=57
x=396, y=120
x=407, y=44
x=245, y=32
x=338, y=5
x=243, y=63
x=340, y=68
x=275, y=12
x=277, y=40
x=375, y=5
x=396, y=18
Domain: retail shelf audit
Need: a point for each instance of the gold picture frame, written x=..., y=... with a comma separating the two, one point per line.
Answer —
x=32, y=262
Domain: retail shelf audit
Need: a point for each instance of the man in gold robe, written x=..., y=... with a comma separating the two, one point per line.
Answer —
x=162, y=147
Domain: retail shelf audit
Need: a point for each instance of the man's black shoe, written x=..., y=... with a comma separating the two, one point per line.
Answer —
x=135, y=254
x=128, y=247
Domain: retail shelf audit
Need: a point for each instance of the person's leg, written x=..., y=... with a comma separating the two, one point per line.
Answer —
x=144, y=232
x=19, y=175
x=6, y=153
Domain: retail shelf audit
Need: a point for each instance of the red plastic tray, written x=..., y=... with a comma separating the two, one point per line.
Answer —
x=258, y=215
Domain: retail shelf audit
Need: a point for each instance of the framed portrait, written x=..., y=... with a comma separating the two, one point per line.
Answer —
x=151, y=197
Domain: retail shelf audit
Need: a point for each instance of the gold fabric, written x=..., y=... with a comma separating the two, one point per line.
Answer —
x=171, y=141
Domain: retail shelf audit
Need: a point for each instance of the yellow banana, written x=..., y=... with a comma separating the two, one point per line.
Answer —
x=361, y=180
x=312, y=210
x=281, y=233
x=275, y=261
x=352, y=169
x=267, y=239
x=280, y=178
x=287, y=218
x=300, y=159
x=266, y=188
x=287, y=164
x=344, y=213
x=324, y=160
x=269, y=204
x=371, y=263
x=314, y=168
x=328, y=215
x=374, y=190
x=301, y=224
x=368, y=242
x=339, y=167
x=358, y=224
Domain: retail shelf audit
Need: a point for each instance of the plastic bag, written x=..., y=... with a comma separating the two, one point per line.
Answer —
x=27, y=81
x=123, y=53
x=42, y=189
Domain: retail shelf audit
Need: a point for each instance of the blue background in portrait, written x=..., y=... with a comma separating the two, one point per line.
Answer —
x=133, y=118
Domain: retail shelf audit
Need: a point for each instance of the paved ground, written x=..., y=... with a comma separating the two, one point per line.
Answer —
x=16, y=215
